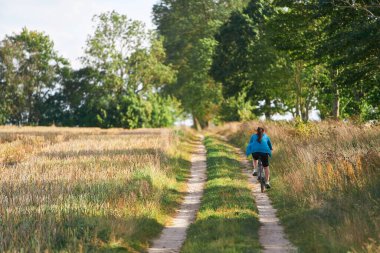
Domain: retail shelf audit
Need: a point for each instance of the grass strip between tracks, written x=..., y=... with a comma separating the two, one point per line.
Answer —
x=227, y=220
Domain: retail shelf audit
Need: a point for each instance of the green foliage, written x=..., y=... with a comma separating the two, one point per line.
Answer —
x=108, y=50
x=237, y=109
x=117, y=51
x=369, y=111
x=119, y=86
x=340, y=38
x=29, y=67
x=130, y=75
x=246, y=61
x=305, y=129
x=188, y=28
x=298, y=55
x=164, y=110
x=133, y=111
x=286, y=56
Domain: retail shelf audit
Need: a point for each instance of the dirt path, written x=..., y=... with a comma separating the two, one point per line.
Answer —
x=271, y=233
x=174, y=235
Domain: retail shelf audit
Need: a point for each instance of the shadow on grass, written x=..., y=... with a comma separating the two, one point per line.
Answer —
x=99, y=153
x=227, y=197
x=77, y=214
x=85, y=218
x=73, y=232
x=114, y=215
x=180, y=166
x=223, y=234
x=145, y=132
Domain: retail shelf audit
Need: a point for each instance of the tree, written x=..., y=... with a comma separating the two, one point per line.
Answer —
x=237, y=108
x=371, y=7
x=115, y=40
x=299, y=55
x=341, y=40
x=245, y=60
x=188, y=28
x=29, y=70
x=128, y=73
x=350, y=46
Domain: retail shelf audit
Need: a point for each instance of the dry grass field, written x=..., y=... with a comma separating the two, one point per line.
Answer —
x=326, y=182
x=81, y=190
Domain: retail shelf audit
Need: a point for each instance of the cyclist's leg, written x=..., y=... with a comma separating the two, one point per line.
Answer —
x=265, y=160
x=267, y=174
x=255, y=163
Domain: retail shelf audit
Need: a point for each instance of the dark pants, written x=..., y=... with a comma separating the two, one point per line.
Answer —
x=264, y=157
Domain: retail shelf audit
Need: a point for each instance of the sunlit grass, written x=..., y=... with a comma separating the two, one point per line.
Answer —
x=90, y=189
x=326, y=182
x=227, y=220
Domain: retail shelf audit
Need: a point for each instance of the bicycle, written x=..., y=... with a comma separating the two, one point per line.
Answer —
x=261, y=175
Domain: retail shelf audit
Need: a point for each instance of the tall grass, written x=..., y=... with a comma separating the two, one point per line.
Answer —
x=326, y=179
x=91, y=190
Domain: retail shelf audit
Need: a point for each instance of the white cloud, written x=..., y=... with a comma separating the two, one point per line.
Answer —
x=67, y=22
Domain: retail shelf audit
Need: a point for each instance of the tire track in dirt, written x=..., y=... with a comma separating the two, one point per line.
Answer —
x=173, y=236
x=271, y=234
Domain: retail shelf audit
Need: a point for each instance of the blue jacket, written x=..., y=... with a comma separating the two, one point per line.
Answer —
x=254, y=146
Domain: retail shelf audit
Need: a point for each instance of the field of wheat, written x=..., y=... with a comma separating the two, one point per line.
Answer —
x=79, y=190
x=326, y=182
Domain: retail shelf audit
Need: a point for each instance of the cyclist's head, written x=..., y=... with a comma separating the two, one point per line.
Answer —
x=260, y=132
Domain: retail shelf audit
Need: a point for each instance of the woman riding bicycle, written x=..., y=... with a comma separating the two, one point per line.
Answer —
x=261, y=148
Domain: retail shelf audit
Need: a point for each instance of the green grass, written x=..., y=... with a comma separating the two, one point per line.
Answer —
x=326, y=183
x=227, y=220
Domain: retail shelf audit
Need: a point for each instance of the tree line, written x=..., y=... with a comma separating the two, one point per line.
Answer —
x=119, y=84
x=217, y=61
x=237, y=59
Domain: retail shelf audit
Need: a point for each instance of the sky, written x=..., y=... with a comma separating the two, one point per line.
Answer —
x=67, y=22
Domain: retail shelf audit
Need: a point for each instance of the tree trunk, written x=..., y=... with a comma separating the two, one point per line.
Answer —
x=267, y=108
x=196, y=123
x=336, y=99
x=298, y=88
x=305, y=114
x=308, y=102
x=298, y=113
x=294, y=113
x=30, y=110
x=336, y=103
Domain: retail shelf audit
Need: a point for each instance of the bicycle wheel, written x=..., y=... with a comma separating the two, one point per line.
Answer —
x=261, y=177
